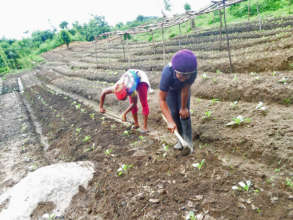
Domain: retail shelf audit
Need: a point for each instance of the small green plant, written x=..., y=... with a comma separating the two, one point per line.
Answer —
x=207, y=114
x=113, y=126
x=238, y=121
x=284, y=80
x=124, y=169
x=92, y=115
x=77, y=106
x=234, y=104
x=235, y=78
x=77, y=131
x=201, y=146
x=205, y=76
x=289, y=182
x=274, y=73
x=218, y=72
x=126, y=132
x=166, y=149
x=141, y=138
x=199, y=165
x=108, y=152
x=244, y=185
x=287, y=101
x=277, y=170
x=214, y=101
x=83, y=110
x=86, y=138
x=191, y=216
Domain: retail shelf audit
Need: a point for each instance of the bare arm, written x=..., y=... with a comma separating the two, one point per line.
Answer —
x=166, y=112
x=184, y=113
x=103, y=96
x=133, y=103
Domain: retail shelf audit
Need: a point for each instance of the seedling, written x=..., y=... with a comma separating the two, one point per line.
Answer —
x=289, y=182
x=108, y=152
x=287, y=101
x=83, y=110
x=260, y=107
x=253, y=73
x=284, y=80
x=190, y=216
x=166, y=149
x=277, y=170
x=243, y=186
x=73, y=103
x=126, y=133
x=77, y=106
x=77, y=131
x=207, y=114
x=113, y=126
x=124, y=169
x=274, y=73
x=205, y=76
x=213, y=101
x=141, y=138
x=86, y=138
x=234, y=104
x=191, y=111
x=199, y=165
x=92, y=115
x=218, y=72
x=238, y=121
x=235, y=77
x=203, y=146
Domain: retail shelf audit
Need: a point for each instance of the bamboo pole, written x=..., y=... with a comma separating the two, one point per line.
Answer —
x=227, y=37
x=221, y=28
x=163, y=40
x=259, y=16
x=96, y=51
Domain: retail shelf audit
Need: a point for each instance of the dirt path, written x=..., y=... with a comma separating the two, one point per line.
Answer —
x=20, y=150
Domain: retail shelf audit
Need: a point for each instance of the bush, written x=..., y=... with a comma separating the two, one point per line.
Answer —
x=65, y=37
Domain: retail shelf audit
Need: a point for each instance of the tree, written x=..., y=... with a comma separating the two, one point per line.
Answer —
x=187, y=7
x=167, y=5
x=65, y=37
x=63, y=25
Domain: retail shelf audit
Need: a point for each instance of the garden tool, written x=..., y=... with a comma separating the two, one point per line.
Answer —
x=187, y=148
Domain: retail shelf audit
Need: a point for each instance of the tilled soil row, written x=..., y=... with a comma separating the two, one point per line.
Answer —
x=267, y=135
x=159, y=182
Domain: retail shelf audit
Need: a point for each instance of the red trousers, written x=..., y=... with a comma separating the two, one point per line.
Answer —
x=142, y=90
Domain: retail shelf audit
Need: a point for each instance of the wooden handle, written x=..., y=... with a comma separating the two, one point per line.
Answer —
x=182, y=141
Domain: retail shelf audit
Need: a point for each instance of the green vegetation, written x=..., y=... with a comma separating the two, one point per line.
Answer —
x=24, y=54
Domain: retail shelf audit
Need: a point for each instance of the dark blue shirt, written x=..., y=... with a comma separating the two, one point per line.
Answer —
x=169, y=81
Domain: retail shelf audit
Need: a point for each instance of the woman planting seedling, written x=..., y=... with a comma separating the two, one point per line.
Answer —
x=132, y=82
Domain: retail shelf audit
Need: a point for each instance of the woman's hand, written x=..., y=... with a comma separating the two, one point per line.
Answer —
x=184, y=113
x=172, y=127
x=102, y=110
x=124, y=117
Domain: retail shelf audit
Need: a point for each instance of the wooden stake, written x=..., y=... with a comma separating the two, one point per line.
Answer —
x=227, y=37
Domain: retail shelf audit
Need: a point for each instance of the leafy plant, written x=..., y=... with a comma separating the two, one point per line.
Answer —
x=108, y=152
x=191, y=216
x=284, y=80
x=243, y=185
x=289, y=182
x=92, y=115
x=77, y=131
x=199, y=165
x=126, y=132
x=205, y=76
x=234, y=104
x=124, y=169
x=213, y=101
x=86, y=138
x=238, y=121
x=207, y=114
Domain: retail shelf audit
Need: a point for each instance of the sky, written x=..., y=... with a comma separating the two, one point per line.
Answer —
x=20, y=16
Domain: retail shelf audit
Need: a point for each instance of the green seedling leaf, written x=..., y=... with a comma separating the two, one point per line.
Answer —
x=243, y=185
x=199, y=165
x=92, y=115
x=108, y=152
x=208, y=114
x=191, y=216
x=86, y=138
x=205, y=76
x=289, y=182
x=126, y=133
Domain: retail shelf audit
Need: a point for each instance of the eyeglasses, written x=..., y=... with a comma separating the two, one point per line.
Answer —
x=184, y=74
